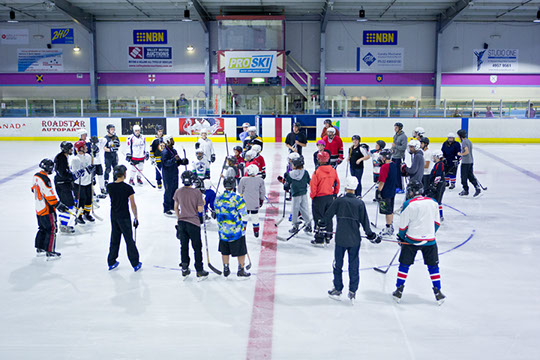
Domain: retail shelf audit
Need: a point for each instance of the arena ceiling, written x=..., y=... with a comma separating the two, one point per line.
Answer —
x=294, y=10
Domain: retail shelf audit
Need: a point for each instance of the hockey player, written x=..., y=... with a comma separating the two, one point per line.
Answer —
x=252, y=139
x=206, y=145
x=240, y=162
x=188, y=206
x=328, y=124
x=110, y=149
x=334, y=144
x=386, y=192
x=416, y=171
x=201, y=165
x=251, y=188
x=436, y=185
x=296, y=140
x=399, y=145
x=320, y=148
x=418, y=223
x=428, y=161
x=375, y=159
x=209, y=199
x=156, y=148
x=230, y=209
x=95, y=146
x=467, y=161
x=358, y=153
x=230, y=169
x=136, y=154
x=298, y=180
x=120, y=194
x=256, y=159
x=171, y=161
x=63, y=183
x=351, y=213
x=82, y=188
x=418, y=133
x=324, y=187
x=46, y=205
x=242, y=136
x=450, y=149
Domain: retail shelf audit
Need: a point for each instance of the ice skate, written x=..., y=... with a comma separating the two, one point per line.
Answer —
x=308, y=229
x=40, y=252
x=114, y=266
x=327, y=239
x=294, y=229
x=439, y=296
x=137, y=267
x=334, y=294
x=242, y=273
x=226, y=270
x=387, y=232
x=67, y=229
x=89, y=217
x=352, y=297
x=202, y=275
x=256, y=233
x=477, y=192
x=101, y=196
x=398, y=293
x=139, y=181
x=131, y=182
x=52, y=255
x=80, y=220
x=452, y=187
x=463, y=193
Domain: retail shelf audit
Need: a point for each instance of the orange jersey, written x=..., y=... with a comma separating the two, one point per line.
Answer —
x=44, y=195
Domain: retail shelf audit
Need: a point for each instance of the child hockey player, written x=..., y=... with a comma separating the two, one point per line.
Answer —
x=253, y=158
x=46, y=205
x=82, y=188
x=259, y=160
x=350, y=212
x=230, y=209
x=209, y=199
x=110, y=149
x=436, y=185
x=334, y=144
x=418, y=223
x=320, y=148
x=240, y=162
x=251, y=188
x=190, y=218
x=136, y=154
x=230, y=169
x=156, y=148
x=206, y=145
x=201, y=166
x=298, y=180
x=252, y=139
x=386, y=192
x=450, y=149
x=375, y=159
x=324, y=187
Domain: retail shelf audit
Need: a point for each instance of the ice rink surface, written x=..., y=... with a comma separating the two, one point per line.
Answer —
x=74, y=308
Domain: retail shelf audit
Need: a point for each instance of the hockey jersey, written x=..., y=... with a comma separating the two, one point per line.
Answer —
x=156, y=148
x=335, y=146
x=419, y=220
x=206, y=146
x=201, y=168
x=79, y=162
x=259, y=161
x=136, y=147
x=44, y=195
x=375, y=154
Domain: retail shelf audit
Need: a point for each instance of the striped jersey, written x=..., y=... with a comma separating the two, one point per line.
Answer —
x=419, y=220
x=230, y=208
x=44, y=195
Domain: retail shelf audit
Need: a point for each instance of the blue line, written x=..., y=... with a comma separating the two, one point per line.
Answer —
x=17, y=174
x=509, y=164
x=453, y=208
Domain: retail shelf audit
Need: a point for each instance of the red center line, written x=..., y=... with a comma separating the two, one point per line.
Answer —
x=262, y=317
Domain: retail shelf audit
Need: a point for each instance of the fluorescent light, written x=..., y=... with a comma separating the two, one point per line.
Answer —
x=190, y=48
x=76, y=49
x=257, y=80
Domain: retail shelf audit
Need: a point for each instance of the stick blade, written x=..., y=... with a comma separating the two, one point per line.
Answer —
x=380, y=270
x=214, y=269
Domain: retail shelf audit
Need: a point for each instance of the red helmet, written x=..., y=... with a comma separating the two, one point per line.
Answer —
x=323, y=157
x=79, y=145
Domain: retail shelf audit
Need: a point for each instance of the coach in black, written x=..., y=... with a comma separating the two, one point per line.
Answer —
x=296, y=139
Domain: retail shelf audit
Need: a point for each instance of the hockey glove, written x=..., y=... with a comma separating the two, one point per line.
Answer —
x=153, y=160
x=61, y=207
x=374, y=238
x=287, y=186
x=197, y=145
x=89, y=168
x=263, y=175
x=404, y=169
x=146, y=156
x=207, y=176
x=280, y=179
x=136, y=223
x=128, y=157
x=339, y=161
x=213, y=214
x=78, y=174
x=212, y=157
x=378, y=195
x=261, y=202
x=184, y=161
x=201, y=218
x=116, y=145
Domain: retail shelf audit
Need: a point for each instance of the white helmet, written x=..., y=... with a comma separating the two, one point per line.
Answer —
x=136, y=128
x=252, y=128
x=81, y=132
x=331, y=130
x=199, y=151
x=167, y=139
x=294, y=155
x=419, y=131
x=415, y=144
x=437, y=155
x=451, y=135
x=252, y=170
x=244, y=125
x=204, y=131
x=250, y=154
x=351, y=183
x=256, y=148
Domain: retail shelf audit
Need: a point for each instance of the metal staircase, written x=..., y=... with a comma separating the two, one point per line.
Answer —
x=299, y=77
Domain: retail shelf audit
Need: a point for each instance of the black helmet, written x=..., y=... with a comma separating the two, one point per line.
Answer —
x=424, y=140
x=158, y=128
x=119, y=171
x=238, y=148
x=381, y=144
x=399, y=125
x=462, y=133
x=110, y=126
x=297, y=124
x=298, y=161
x=47, y=165
x=328, y=121
x=356, y=137
x=229, y=183
x=414, y=188
x=231, y=159
x=187, y=178
x=66, y=146
x=386, y=154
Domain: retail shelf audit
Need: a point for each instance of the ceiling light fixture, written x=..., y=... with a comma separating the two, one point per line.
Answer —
x=12, y=17
x=537, y=20
x=76, y=49
x=361, y=16
x=186, y=15
x=190, y=48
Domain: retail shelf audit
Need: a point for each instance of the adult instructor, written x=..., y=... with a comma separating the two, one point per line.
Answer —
x=296, y=140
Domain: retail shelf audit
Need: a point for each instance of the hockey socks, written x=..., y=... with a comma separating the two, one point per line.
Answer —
x=403, y=271
x=435, y=276
x=256, y=230
x=440, y=211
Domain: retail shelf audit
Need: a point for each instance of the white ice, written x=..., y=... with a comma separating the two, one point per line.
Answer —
x=74, y=308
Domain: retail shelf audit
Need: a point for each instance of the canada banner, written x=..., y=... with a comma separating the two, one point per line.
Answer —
x=193, y=126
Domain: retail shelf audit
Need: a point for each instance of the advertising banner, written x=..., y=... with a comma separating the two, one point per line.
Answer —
x=42, y=127
x=40, y=60
x=372, y=37
x=148, y=125
x=62, y=36
x=379, y=59
x=13, y=36
x=149, y=57
x=149, y=36
x=250, y=64
x=192, y=126
x=495, y=60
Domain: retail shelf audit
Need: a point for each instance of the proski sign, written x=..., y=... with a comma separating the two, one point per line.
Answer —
x=250, y=63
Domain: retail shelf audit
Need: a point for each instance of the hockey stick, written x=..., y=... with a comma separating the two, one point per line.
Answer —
x=268, y=201
x=367, y=192
x=376, y=215
x=185, y=156
x=293, y=235
x=389, y=265
x=483, y=188
x=248, y=266
x=145, y=178
x=284, y=206
x=208, y=253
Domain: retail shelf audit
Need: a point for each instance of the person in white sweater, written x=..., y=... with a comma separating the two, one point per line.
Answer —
x=251, y=188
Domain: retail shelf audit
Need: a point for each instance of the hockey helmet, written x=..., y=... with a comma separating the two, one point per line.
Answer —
x=298, y=125
x=167, y=139
x=385, y=154
x=424, y=140
x=47, y=165
x=119, y=171
x=257, y=148
x=414, y=188
x=136, y=128
x=419, y=131
x=187, y=178
x=293, y=155
x=66, y=146
x=81, y=132
x=323, y=157
x=351, y=183
x=245, y=125
x=399, y=125
x=110, y=126
x=328, y=121
x=297, y=162
x=437, y=155
x=321, y=142
x=229, y=182
x=79, y=145
x=238, y=148
x=331, y=130
x=204, y=131
x=414, y=144
x=252, y=129
x=381, y=144
x=159, y=128
x=252, y=170
x=356, y=137
x=462, y=133
x=251, y=154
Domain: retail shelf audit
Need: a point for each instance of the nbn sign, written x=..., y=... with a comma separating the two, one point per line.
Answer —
x=149, y=36
x=380, y=37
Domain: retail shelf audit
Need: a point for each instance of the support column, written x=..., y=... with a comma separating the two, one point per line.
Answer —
x=438, y=69
x=322, y=75
x=93, y=67
x=208, y=70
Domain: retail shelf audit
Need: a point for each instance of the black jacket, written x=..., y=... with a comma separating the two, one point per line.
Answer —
x=63, y=173
x=351, y=213
x=168, y=159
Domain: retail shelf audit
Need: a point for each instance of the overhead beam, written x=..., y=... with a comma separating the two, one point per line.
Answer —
x=325, y=17
x=78, y=15
x=18, y=10
x=202, y=14
x=452, y=13
x=512, y=9
x=387, y=8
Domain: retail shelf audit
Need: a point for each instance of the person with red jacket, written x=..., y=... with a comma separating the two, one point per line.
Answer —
x=324, y=187
x=334, y=144
x=327, y=125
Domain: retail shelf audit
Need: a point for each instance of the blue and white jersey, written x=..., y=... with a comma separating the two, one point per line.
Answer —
x=201, y=168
